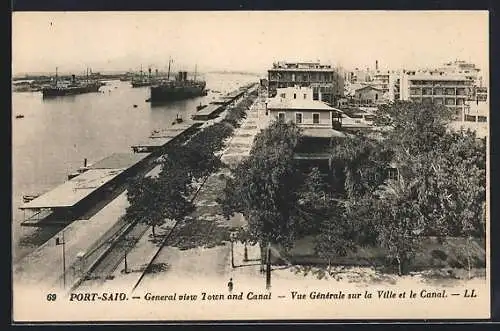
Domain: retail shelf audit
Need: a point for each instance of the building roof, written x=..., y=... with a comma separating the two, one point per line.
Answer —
x=153, y=142
x=368, y=87
x=73, y=191
x=423, y=76
x=322, y=133
x=119, y=161
x=303, y=69
x=173, y=131
x=283, y=103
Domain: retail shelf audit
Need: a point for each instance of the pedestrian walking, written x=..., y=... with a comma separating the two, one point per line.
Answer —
x=230, y=285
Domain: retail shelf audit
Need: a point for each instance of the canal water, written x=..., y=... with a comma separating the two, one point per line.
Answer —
x=56, y=135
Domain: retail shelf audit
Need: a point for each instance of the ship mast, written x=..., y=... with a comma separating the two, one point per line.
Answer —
x=168, y=73
x=195, y=69
x=56, y=76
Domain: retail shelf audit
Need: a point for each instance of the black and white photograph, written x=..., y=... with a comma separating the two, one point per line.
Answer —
x=250, y=165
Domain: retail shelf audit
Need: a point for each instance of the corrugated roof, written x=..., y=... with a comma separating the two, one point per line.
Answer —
x=208, y=110
x=73, y=191
x=171, y=132
x=119, y=161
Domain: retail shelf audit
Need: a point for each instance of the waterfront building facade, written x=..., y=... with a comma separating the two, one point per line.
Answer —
x=326, y=81
x=298, y=104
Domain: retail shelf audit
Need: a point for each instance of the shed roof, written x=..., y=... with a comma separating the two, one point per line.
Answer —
x=73, y=191
x=119, y=161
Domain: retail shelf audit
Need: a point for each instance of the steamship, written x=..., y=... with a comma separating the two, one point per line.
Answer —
x=71, y=87
x=179, y=89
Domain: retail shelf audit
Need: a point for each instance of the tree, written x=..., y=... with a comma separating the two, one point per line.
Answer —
x=363, y=163
x=398, y=221
x=336, y=237
x=264, y=186
x=146, y=202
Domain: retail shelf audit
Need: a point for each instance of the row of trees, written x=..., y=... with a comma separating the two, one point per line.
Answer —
x=437, y=187
x=169, y=195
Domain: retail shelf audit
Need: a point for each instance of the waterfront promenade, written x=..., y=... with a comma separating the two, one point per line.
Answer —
x=196, y=263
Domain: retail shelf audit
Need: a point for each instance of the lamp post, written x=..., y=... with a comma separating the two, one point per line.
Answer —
x=268, y=266
x=126, y=244
x=232, y=236
x=245, y=256
x=60, y=241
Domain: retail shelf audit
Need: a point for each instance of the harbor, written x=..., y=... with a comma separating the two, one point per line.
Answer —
x=87, y=203
x=176, y=166
x=65, y=150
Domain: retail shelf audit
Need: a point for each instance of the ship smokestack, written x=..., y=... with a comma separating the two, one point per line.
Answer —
x=376, y=64
x=73, y=78
x=85, y=162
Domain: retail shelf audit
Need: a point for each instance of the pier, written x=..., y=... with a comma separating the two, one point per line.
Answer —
x=160, y=139
x=90, y=206
x=217, y=106
x=209, y=112
x=70, y=199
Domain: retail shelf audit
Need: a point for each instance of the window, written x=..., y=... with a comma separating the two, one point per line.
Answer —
x=481, y=119
x=283, y=95
x=298, y=118
x=376, y=96
x=305, y=96
x=470, y=118
x=392, y=173
x=295, y=95
x=281, y=117
x=315, y=118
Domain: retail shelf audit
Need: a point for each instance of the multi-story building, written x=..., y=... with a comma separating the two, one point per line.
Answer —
x=319, y=124
x=452, y=85
x=381, y=80
x=327, y=82
x=451, y=90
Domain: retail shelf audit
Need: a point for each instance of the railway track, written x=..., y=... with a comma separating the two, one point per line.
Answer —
x=114, y=256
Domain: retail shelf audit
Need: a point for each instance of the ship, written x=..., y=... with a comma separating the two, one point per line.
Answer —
x=70, y=87
x=143, y=80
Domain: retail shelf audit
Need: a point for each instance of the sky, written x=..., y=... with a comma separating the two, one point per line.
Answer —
x=245, y=40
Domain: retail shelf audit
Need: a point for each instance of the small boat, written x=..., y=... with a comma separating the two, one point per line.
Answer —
x=179, y=119
x=135, y=106
x=200, y=107
x=20, y=116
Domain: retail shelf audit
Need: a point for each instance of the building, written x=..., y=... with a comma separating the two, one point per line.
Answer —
x=452, y=85
x=475, y=116
x=381, y=80
x=318, y=121
x=451, y=90
x=298, y=104
x=327, y=82
x=368, y=96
